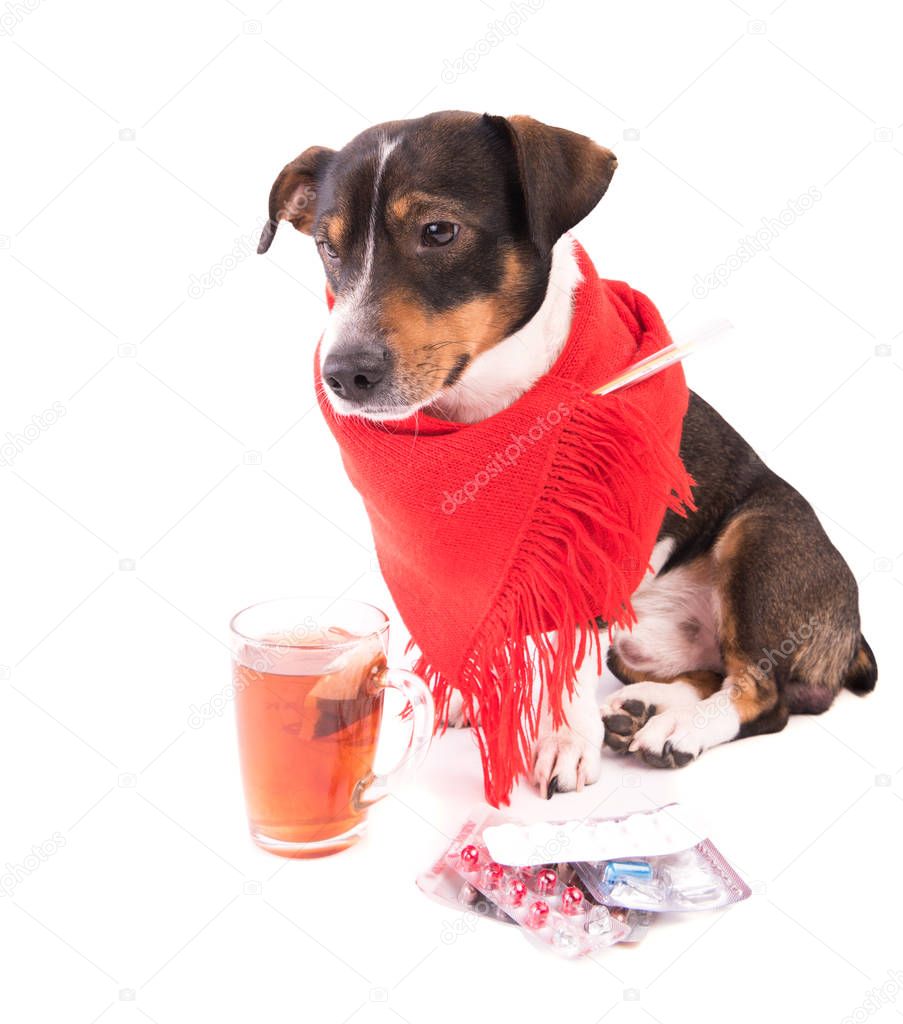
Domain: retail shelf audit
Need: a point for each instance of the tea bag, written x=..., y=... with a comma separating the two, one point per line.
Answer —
x=345, y=693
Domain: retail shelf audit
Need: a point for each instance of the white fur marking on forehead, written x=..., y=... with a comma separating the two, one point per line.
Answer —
x=348, y=306
x=386, y=147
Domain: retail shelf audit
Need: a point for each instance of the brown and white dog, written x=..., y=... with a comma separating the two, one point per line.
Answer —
x=444, y=244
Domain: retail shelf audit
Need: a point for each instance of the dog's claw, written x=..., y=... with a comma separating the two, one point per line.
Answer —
x=668, y=758
x=565, y=761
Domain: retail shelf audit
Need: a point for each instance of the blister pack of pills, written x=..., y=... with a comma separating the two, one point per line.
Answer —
x=552, y=912
x=443, y=884
x=577, y=887
x=695, y=879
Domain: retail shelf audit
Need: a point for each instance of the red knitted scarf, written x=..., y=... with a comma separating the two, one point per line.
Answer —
x=542, y=517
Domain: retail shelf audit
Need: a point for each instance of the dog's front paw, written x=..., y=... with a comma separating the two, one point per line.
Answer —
x=457, y=714
x=669, y=740
x=565, y=760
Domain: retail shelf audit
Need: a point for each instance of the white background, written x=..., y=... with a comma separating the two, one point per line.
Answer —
x=140, y=141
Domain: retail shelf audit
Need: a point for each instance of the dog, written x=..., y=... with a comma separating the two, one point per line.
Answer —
x=446, y=249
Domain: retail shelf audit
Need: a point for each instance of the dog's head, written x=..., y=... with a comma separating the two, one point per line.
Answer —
x=436, y=237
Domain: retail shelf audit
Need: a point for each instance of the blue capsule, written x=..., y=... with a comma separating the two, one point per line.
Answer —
x=623, y=870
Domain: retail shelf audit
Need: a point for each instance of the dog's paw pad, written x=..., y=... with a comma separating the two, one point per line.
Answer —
x=634, y=707
x=624, y=722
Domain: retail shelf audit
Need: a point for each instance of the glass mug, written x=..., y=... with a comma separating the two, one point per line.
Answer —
x=309, y=676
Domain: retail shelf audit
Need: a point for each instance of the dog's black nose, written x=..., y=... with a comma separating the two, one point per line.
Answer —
x=353, y=375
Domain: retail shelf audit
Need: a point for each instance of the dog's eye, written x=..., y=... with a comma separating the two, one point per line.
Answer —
x=440, y=232
x=328, y=249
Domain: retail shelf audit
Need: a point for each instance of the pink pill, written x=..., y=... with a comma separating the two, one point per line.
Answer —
x=516, y=891
x=537, y=914
x=470, y=857
x=546, y=881
x=572, y=900
x=492, y=875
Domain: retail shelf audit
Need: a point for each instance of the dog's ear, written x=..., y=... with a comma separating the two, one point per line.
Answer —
x=562, y=175
x=293, y=196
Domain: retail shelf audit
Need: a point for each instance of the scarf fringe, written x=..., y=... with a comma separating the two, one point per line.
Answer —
x=577, y=560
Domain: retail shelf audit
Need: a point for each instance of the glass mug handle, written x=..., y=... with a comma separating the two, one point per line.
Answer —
x=372, y=787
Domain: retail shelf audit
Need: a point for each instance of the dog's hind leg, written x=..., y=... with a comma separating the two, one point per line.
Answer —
x=746, y=703
x=786, y=644
x=627, y=710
